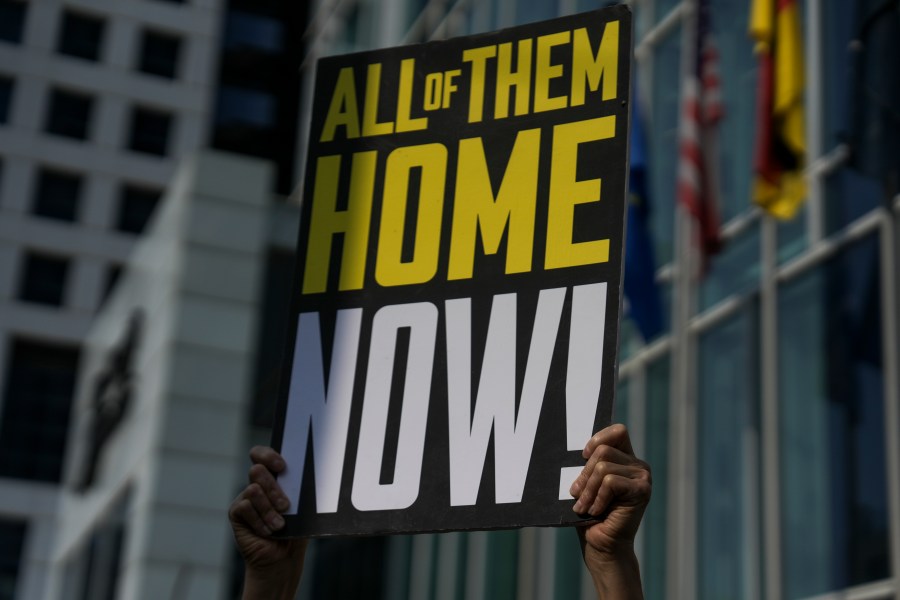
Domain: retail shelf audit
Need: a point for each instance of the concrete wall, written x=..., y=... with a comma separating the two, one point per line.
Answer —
x=196, y=278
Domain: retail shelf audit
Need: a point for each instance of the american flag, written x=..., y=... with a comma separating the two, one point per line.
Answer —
x=701, y=111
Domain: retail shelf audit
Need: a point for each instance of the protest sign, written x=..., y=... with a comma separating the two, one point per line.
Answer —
x=456, y=300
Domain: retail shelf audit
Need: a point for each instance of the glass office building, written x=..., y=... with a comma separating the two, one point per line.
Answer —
x=768, y=408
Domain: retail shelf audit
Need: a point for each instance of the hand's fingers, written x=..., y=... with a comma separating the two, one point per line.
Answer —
x=607, y=454
x=263, y=507
x=243, y=514
x=262, y=477
x=614, y=435
x=592, y=487
x=628, y=490
x=267, y=457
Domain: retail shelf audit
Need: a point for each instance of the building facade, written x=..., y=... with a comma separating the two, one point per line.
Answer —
x=769, y=408
x=100, y=102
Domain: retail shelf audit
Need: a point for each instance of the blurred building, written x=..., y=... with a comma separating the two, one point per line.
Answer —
x=769, y=407
x=100, y=101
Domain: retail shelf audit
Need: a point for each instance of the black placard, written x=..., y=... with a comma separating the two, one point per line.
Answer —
x=456, y=303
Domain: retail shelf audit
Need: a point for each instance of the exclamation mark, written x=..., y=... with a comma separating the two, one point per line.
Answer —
x=584, y=371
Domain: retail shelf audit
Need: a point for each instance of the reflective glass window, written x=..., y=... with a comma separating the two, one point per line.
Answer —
x=528, y=11
x=568, y=567
x=57, y=195
x=792, y=238
x=501, y=573
x=663, y=130
x=12, y=20
x=734, y=270
x=136, y=206
x=620, y=409
x=242, y=106
x=254, y=31
x=159, y=54
x=737, y=130
x=149, y=131
x=6, y=92
x=349, y=568
x=861, y=90
x=40, y=382
x=414, y=9
x=273, y=327
x=398, y=557
x=728, y=493
x=831, y=394
x=69, y=114
x=43, y=279
x=80, y=36
x=849, y=194
x=664, y=7
x=653, y=563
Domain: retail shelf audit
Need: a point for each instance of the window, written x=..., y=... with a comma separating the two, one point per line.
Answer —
x=832, y=448
x=734, y=270
x=40, y=381
x=12, y=538
x=43, y=279
x=502, y=562
x=244, y=107
x=272, y=335
x=159, y=54
x=655, y=524
x=358, y=568
x=728, y=462
x=93, y=572
x=12, y=20
x=257, y=32
x=6, y=91
x=57, y=195
x=149, y=131
x=664, y=109
x=69, y=114
x=136, y=206
x=80, y=36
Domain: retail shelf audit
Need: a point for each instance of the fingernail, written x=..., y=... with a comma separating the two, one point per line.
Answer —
x=282, y=504
x=278, y=464
x=277, y=522
x=575, y=489
x=577, y=508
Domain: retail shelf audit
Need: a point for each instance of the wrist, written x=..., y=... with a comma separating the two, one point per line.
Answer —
x=615, y=572
x=271, y=584
x=277, y=580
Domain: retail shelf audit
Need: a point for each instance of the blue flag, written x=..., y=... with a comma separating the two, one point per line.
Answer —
x=644, y=305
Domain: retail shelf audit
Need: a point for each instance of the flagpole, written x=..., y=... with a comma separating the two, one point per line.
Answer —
x=890, y=309
x=771, y=455
x=815, y=219
x=682, y=513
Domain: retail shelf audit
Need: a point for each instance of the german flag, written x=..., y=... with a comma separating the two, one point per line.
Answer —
x=779, y=186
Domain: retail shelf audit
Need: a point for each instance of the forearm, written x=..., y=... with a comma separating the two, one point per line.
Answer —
x=275, y=582
x=615, y=577
x=258, y=586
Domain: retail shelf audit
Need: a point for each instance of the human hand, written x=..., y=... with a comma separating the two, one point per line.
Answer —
x=614, y=488
x=272, y=566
